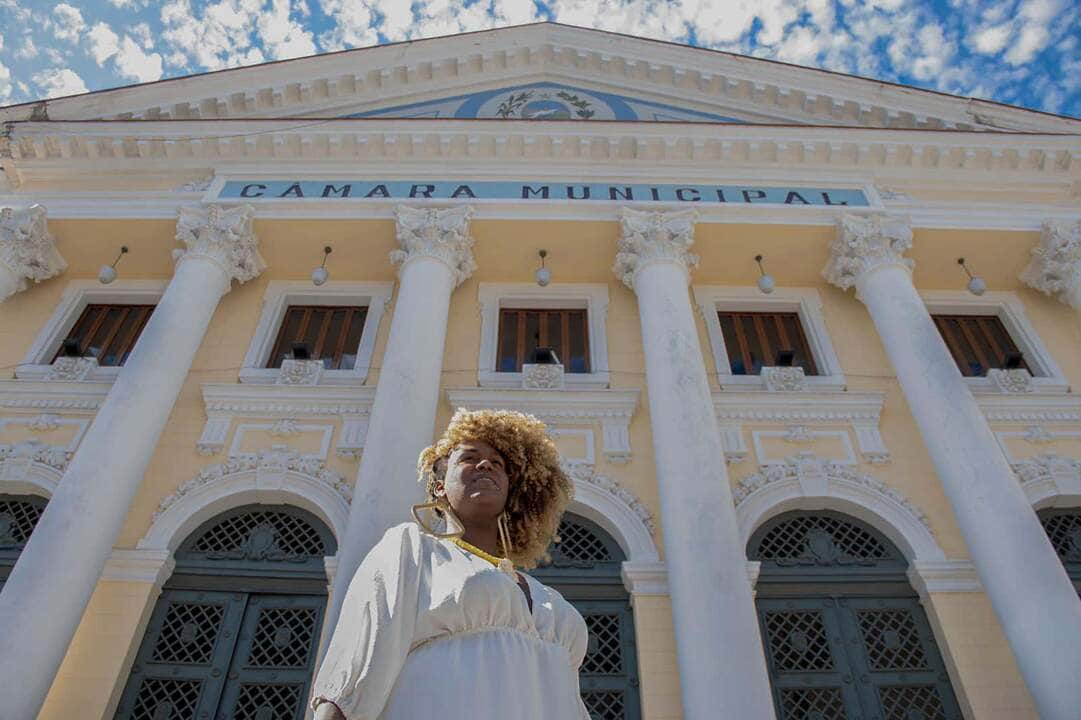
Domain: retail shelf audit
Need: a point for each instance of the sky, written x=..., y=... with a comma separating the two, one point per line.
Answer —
x=1022, y=52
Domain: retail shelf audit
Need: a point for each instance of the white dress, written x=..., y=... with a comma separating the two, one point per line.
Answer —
x=429, y=630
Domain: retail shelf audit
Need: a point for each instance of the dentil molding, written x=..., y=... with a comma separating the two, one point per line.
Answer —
x=864, y=243
x=1055, y=267
x=442, y=234
x=648, y=237
x=26, y=247
x=223, y=236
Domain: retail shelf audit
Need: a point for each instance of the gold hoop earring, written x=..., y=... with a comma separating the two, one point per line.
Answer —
x=504, y=534
x=443, y=506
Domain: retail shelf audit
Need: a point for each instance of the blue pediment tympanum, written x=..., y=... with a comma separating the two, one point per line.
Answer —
x=546, y=101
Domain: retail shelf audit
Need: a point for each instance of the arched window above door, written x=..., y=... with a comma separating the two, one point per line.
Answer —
x=1063, y=528
x=19, y=515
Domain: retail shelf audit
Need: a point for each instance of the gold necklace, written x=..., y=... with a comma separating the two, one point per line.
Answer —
x=504, y=564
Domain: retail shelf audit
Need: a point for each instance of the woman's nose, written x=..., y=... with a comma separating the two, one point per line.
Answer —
x=485, y=462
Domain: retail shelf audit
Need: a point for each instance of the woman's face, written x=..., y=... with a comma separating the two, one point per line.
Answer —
x=475, y=483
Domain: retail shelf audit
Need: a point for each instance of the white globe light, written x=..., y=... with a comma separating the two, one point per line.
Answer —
x=107, y=274
x=319, y=275
x=766, y=284
x=977, y=285
x=544, y=276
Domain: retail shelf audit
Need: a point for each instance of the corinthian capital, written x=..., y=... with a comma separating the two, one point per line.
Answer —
x=1055, y=267
x=26, y=247
x=223, y=236
x=650, y=237
x=440, y=233
x=865, y=243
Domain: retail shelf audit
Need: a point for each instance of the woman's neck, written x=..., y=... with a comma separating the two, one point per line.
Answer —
x=484, y=536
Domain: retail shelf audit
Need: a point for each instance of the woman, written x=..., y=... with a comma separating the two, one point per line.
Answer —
x=437, y=621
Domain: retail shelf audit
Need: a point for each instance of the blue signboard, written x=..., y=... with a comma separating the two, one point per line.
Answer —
x=338, y=189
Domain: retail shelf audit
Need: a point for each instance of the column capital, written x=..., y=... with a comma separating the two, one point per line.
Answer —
x=649, y=237
x=222, y=235
x=1055, y=267
x=26, y=247
x=865, y=243
x=440, y=233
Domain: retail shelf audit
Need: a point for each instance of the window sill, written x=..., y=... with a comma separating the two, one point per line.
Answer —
x=41, y=372
x=571, y=381
x=269, y=376
x=755, y=383
x=1037, y=386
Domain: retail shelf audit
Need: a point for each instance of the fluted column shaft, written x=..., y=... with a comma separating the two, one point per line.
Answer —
x=435, y=257
x=48, y=590
x=27, y=250
x=1024, y=578
x=722, y=668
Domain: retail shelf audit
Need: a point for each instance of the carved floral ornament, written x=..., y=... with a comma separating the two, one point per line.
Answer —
x=26, y=247
x=27, y=451
x=1055, y=267
x=585, y=473
x=222, y=235
x=440, y=233
x=277, y=459
x=649, y=237
x=1045, y=467
x=864, y=243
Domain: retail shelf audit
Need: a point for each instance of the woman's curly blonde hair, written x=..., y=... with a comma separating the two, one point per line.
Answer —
x=539, y=489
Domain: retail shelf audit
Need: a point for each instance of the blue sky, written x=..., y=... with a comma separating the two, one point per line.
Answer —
x=1023, y=52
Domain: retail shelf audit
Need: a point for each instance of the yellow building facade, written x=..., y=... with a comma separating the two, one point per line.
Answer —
x=841, y=480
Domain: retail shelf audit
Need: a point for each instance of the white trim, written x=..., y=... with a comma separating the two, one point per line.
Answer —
x=619, y=520
x=800, y=434
x=943, y=576
x=32, y=478
x=325, y=430
x=809, y=483
x=141, y=566
x=280, y=295
x=645, y=578
x=1047, y=376
x=1050, y=480
x=806, y=302
x=593, y=297
x=193, y=508
x=77, y=295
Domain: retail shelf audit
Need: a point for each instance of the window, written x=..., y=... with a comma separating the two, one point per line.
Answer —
x=109, y=332
x=754, y=339
x=331, y=334
x=978, y=343
x=523, y=330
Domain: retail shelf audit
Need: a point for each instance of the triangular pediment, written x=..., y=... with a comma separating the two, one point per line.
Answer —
x=547, y=101
x=543, y=71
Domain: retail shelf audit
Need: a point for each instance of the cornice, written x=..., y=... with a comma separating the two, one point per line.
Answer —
x=1030, y=408
x=35, y=395
x=553, y=405
x=286, y=400
x=793, y=407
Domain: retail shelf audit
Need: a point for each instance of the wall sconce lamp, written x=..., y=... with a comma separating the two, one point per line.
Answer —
x=107, y=273
x=766, y=283
x=320, y=274
x=543, y=274
x=976, y=284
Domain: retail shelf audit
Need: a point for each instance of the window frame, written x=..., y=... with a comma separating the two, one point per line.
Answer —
x=1047, y=377
x=805, y=302
x=348, y=309
x=280, y=295
x=592, y=297
x=73, y=302
x=563, y=354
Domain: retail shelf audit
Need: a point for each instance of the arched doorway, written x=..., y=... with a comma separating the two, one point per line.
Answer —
x=585, y=569
x=235, y=632
x=19, y=515
x=844, y=633
x=1063, y=528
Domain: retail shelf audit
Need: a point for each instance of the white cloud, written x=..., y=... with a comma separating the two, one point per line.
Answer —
x=5, y=82
x=282, y=38
x=103, y=42
x=143, y=35
x=132, y=62
x=68, y=22
x=352, y=25
x=1035, y=17
x=220, y=37
x=57, y=82
x=991, y=40
x=28, y=49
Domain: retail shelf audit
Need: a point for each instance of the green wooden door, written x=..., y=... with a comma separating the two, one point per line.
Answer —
x=585, y=569
x=19, y=515
x=234, y=634
x=845, y=636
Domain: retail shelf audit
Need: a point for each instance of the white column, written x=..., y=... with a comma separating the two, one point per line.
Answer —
x=1026, y=583
x=435, y=257
x=44, y=599
x=27, y=250
x=722, y=667
x=1055, y=267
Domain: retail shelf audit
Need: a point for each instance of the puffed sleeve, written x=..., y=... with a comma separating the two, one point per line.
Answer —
x=375, y=629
